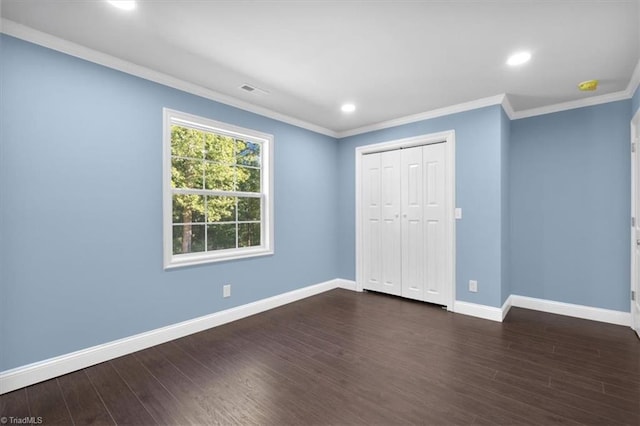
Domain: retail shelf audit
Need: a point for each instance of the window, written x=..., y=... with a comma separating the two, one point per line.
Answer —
x=217, y=191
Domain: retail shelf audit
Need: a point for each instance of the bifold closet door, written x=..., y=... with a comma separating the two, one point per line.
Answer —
x=382, y=252
x=436, y=240
x=411, y=191
x=406, y=248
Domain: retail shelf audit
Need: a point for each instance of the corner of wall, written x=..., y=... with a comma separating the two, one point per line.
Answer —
x=505, y=211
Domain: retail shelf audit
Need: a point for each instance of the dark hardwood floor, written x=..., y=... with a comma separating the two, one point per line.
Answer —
x=359, y=358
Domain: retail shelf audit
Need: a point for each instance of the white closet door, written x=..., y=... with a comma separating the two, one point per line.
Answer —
x=435, y=241
x=371, y=222
x=412, y=225
x=381, y=217
x=390, y=235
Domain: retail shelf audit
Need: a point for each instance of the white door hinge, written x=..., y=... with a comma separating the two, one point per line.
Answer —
x=633, y=222
x=633, y=147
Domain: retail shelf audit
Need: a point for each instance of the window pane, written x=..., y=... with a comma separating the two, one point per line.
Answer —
x=249, y=209
x=219, y=177
x=188, y=238
x=186, y=173
x=220, y=237
x=247, y=153
x=248, y=234
x=188, y=208
x=186, y=142
x=248, y=179
x=221, y=209
x=220, y=149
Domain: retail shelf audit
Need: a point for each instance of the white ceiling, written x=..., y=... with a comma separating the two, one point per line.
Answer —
x=391, y=58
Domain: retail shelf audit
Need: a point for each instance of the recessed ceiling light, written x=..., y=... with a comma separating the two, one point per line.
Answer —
x=124, y=5
x=518, y=58
x=348, y=108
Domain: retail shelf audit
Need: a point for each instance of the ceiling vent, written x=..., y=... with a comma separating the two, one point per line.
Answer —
x=253, y=89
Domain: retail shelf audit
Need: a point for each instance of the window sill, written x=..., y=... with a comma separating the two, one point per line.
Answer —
x=179, y=261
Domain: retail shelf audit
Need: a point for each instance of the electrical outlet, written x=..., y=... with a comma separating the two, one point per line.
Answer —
x=226, y=290
x=473, y=286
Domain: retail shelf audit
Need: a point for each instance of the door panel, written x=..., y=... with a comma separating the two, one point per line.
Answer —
x=381, y=211
x=390, y=241
x=435, y=241
x=412, y=226
x=371, y=210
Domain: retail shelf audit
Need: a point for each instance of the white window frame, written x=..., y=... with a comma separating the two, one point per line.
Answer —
x=266, y=178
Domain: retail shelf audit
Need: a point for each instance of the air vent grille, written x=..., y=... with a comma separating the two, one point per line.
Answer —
x=253, y=89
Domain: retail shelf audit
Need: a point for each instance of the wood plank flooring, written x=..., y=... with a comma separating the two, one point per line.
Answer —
x=359, y=358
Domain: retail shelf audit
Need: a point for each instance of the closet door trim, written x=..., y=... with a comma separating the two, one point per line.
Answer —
x=448, y=138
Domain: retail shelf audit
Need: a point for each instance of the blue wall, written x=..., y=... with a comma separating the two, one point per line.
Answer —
x=570, y=186
x=478, y=193
x=81, y=218
x=635, y=101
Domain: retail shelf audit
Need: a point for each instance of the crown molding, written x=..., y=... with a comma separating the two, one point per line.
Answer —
x=43, y=39
x=440, y=112
x=25, y=33
x=507, y=107
x=565, y=106
x=635, y=80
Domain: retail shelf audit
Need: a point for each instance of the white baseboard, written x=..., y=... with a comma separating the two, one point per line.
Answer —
x=44, y=370
x=346, y=284
x=571, y=310
x=506, y=306
x=479, y=311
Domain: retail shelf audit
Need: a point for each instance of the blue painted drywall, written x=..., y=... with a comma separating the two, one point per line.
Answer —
x=478, y=193
x=635, y=101
x=81, y=219
x=570, y=204
x=505, y=141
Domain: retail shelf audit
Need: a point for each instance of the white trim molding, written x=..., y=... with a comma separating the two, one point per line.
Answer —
x=508, y=108
x=506, y=307
x=579, y=103
x=571, y=310
x=31, y=35
x=30, y=374
x=440, y=112
x=479, y=311
x=53, y=367
x=49, y=41
x=346, y=284
x=635, y=80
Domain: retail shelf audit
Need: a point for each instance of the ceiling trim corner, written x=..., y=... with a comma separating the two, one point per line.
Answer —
x=49, y=41
x=507, y=107
x=635, y=80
